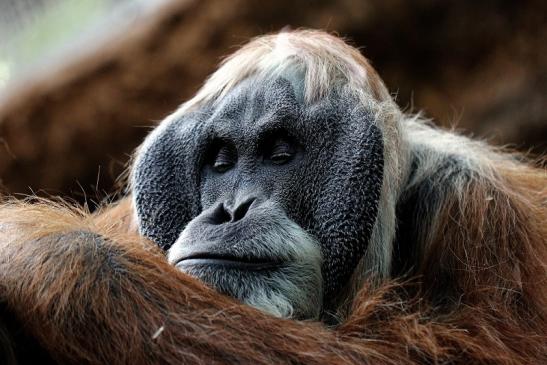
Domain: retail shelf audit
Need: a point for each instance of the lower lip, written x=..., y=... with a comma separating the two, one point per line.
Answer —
x=228, y=264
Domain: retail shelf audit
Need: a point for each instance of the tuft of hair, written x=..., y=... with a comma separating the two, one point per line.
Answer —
x=325, y=61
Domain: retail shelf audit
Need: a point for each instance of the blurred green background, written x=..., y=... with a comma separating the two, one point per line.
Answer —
x=32, y=30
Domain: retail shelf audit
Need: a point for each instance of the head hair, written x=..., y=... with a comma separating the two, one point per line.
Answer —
x=326, y=61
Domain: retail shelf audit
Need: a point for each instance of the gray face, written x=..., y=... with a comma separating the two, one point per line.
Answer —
x=262, y=197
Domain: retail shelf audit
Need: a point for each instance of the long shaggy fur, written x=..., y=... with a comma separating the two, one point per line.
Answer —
x=458, y=254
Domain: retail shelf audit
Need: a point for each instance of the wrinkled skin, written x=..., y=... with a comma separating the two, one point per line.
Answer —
x=260, y=191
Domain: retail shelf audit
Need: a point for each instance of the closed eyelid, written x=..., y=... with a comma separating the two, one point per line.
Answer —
x=281, y=145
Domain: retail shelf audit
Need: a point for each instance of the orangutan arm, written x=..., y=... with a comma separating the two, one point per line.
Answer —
x=90, y=294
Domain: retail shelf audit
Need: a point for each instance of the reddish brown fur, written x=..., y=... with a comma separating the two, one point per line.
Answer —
x=90, y=291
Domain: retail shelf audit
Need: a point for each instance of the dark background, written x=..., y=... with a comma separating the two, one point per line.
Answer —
x=69, y=126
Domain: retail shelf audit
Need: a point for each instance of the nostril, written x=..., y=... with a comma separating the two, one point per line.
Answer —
x=242, y=209
x=223, y=214
x=220, y=215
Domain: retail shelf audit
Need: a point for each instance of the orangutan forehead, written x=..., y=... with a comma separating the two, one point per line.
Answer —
x=258, y=100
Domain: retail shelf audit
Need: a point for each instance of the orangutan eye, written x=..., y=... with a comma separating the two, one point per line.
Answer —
x=281, y=151
x=224, y=158
x=278, y=147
